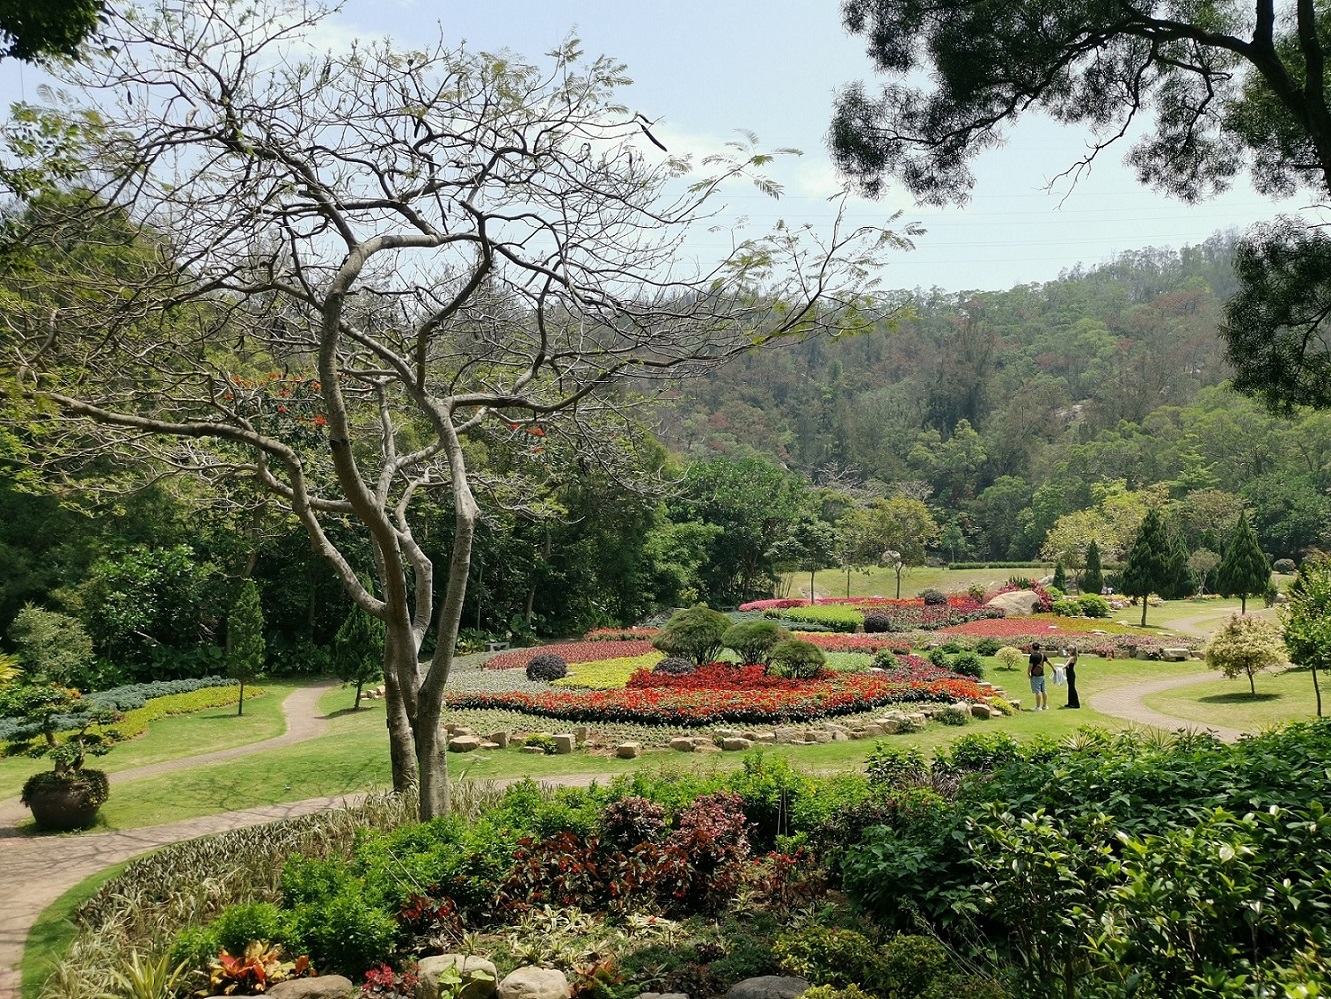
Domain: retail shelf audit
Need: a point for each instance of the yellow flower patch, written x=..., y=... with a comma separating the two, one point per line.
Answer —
x=607, y=674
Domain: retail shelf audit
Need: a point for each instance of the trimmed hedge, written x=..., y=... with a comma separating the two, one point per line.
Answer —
x=131, y=697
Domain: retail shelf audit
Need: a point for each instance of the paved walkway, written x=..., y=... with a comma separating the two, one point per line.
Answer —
x=37, y=870
x=1126, y=702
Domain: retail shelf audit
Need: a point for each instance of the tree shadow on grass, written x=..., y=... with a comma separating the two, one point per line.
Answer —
x=1240, y=697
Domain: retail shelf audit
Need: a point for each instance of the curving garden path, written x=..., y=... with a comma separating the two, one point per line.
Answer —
x=37, y=870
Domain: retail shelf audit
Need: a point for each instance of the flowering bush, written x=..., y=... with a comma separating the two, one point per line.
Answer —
x=571, y=652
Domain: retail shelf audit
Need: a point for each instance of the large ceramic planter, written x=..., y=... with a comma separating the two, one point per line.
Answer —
x=62, y=805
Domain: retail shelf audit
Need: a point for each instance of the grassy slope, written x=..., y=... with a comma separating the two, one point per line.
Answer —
x=170, y=738
x=1281, y=697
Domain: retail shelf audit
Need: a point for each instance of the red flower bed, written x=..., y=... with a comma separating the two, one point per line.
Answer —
x=955, y=600
x=571, y=652
x=716, y=676
x=838, y=642
x=619, y=634
x=668, y=702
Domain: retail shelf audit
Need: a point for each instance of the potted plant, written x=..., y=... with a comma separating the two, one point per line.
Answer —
x=55, y=721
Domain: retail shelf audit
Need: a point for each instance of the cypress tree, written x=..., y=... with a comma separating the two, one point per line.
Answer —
x=358, y=651
x=1092, y=579
x=1244, y=568
x=1182, y=580
x=244, y=632
x=1149, y=561
x=1060, y=577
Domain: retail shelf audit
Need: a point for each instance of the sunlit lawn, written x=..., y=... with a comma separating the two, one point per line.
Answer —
x=1280, y=697
x=205, y=731
x=353, y=756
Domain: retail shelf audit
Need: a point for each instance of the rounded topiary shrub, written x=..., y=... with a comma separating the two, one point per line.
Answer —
x=933, y=597
x=798, y=659
x=978, y=592
x=939, y=658
x=885, y=659
x=675, y=666
x=1067, y=608
x=1093, y=605
x=877, y=621
x=1284, y=566
x=987, y=646
x=753, y=641
x=547, y=666
x=695, y=634
x=967, y=664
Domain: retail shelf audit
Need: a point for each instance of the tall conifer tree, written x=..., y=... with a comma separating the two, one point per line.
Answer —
x=1244, y=568
x=1149, y=562
x=244, y=630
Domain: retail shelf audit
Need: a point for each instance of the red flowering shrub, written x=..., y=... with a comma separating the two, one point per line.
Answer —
x=633, y=820
x=712, y=842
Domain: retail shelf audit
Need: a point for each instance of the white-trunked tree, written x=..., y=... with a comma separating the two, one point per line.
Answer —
x=338, y=270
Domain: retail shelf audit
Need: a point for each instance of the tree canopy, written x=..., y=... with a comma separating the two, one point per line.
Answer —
x=1229, y=88
x=36, y=30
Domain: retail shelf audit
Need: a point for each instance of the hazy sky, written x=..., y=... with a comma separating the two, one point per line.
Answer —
x=707, y=69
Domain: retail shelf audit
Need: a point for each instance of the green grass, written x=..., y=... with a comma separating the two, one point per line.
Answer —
x=204, y=731
x=353, y=755
x=54, y=931
x=1281, y=697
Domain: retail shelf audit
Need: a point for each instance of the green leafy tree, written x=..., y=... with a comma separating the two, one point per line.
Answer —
x=1244, y=568
x=245, y=656
x=1307, y=619
x=52, y=646
x=1092, y=578
x=1232, y=87
x=754, y=640
x=811, y=545
x=1246, y=646
x=1149, y=563
x=38, y=30
x=358, y=651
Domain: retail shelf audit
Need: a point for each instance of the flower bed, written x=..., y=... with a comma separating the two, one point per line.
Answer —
x=608, y=672
x=620, y=634
x=1023, y=631
x=572, y=652
x=855, y=643
x=702, y=699
x=903, y=615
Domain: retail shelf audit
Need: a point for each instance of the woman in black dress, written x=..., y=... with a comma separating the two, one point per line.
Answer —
x=1070, y=672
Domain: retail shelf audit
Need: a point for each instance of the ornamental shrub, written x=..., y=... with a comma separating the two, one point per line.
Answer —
x=939, y=658
x=933, y=597
x=988, y=646
x=696, y=633
x=674, y=666
x=967, y=664
x=1010, y=656
x=633, y=820
x=1093, y=605
x=877, y=621
x=1284, y=566
x=1067, y=607
x=754, y=640
x=800, y=660
x=830, y=956
x=885, y=659
x=977, y=592
x=547, y=666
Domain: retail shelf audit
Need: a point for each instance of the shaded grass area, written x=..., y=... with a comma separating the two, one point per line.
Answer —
x=53, y=932
x=1281, y=697
x=205, y=731
x=353, y=756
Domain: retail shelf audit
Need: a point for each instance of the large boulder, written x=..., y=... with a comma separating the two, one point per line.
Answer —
x=479, y=976
x=769, y=987
x=535, y=983
x=323, y=987
x=1016, y=602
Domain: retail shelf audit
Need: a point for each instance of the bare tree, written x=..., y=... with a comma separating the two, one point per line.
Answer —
x=345, y=268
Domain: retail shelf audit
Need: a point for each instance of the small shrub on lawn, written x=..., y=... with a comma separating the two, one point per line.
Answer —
x=1093, y=605
x=695, y=634
x=939, y=658
x=933, y=597
x=952, y=647
x=1067, y=607
x=544, y=740
x=967, y=664
x=987, y=646
x=829, y=956
x=797, y=659
x=547, y=666
x=1010, y=657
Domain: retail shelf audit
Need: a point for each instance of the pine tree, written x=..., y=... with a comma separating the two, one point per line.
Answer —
x=1149, y=561
x=244, y=631
x=1092, y=579
x=358, y=651
x=1060, y=578
x=1244, y=568
x=1182, y=580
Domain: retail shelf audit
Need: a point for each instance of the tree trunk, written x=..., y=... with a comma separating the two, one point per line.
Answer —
x=1318, y=692
x=847, y=583
x=401, y=744
x=1145, y=597
x=240, y=701
x=1252, y=686
x=1243, y=603
x=359, y=685
x=812, y=601
x=898, y=584
x=432, y=760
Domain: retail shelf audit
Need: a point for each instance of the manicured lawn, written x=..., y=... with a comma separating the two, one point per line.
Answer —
x=204, y=731
x=1281, y=697
x=53, y=932
x=353, y=756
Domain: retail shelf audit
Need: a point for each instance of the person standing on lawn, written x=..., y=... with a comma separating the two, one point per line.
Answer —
x=1035, y=670
x=1070, y=671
